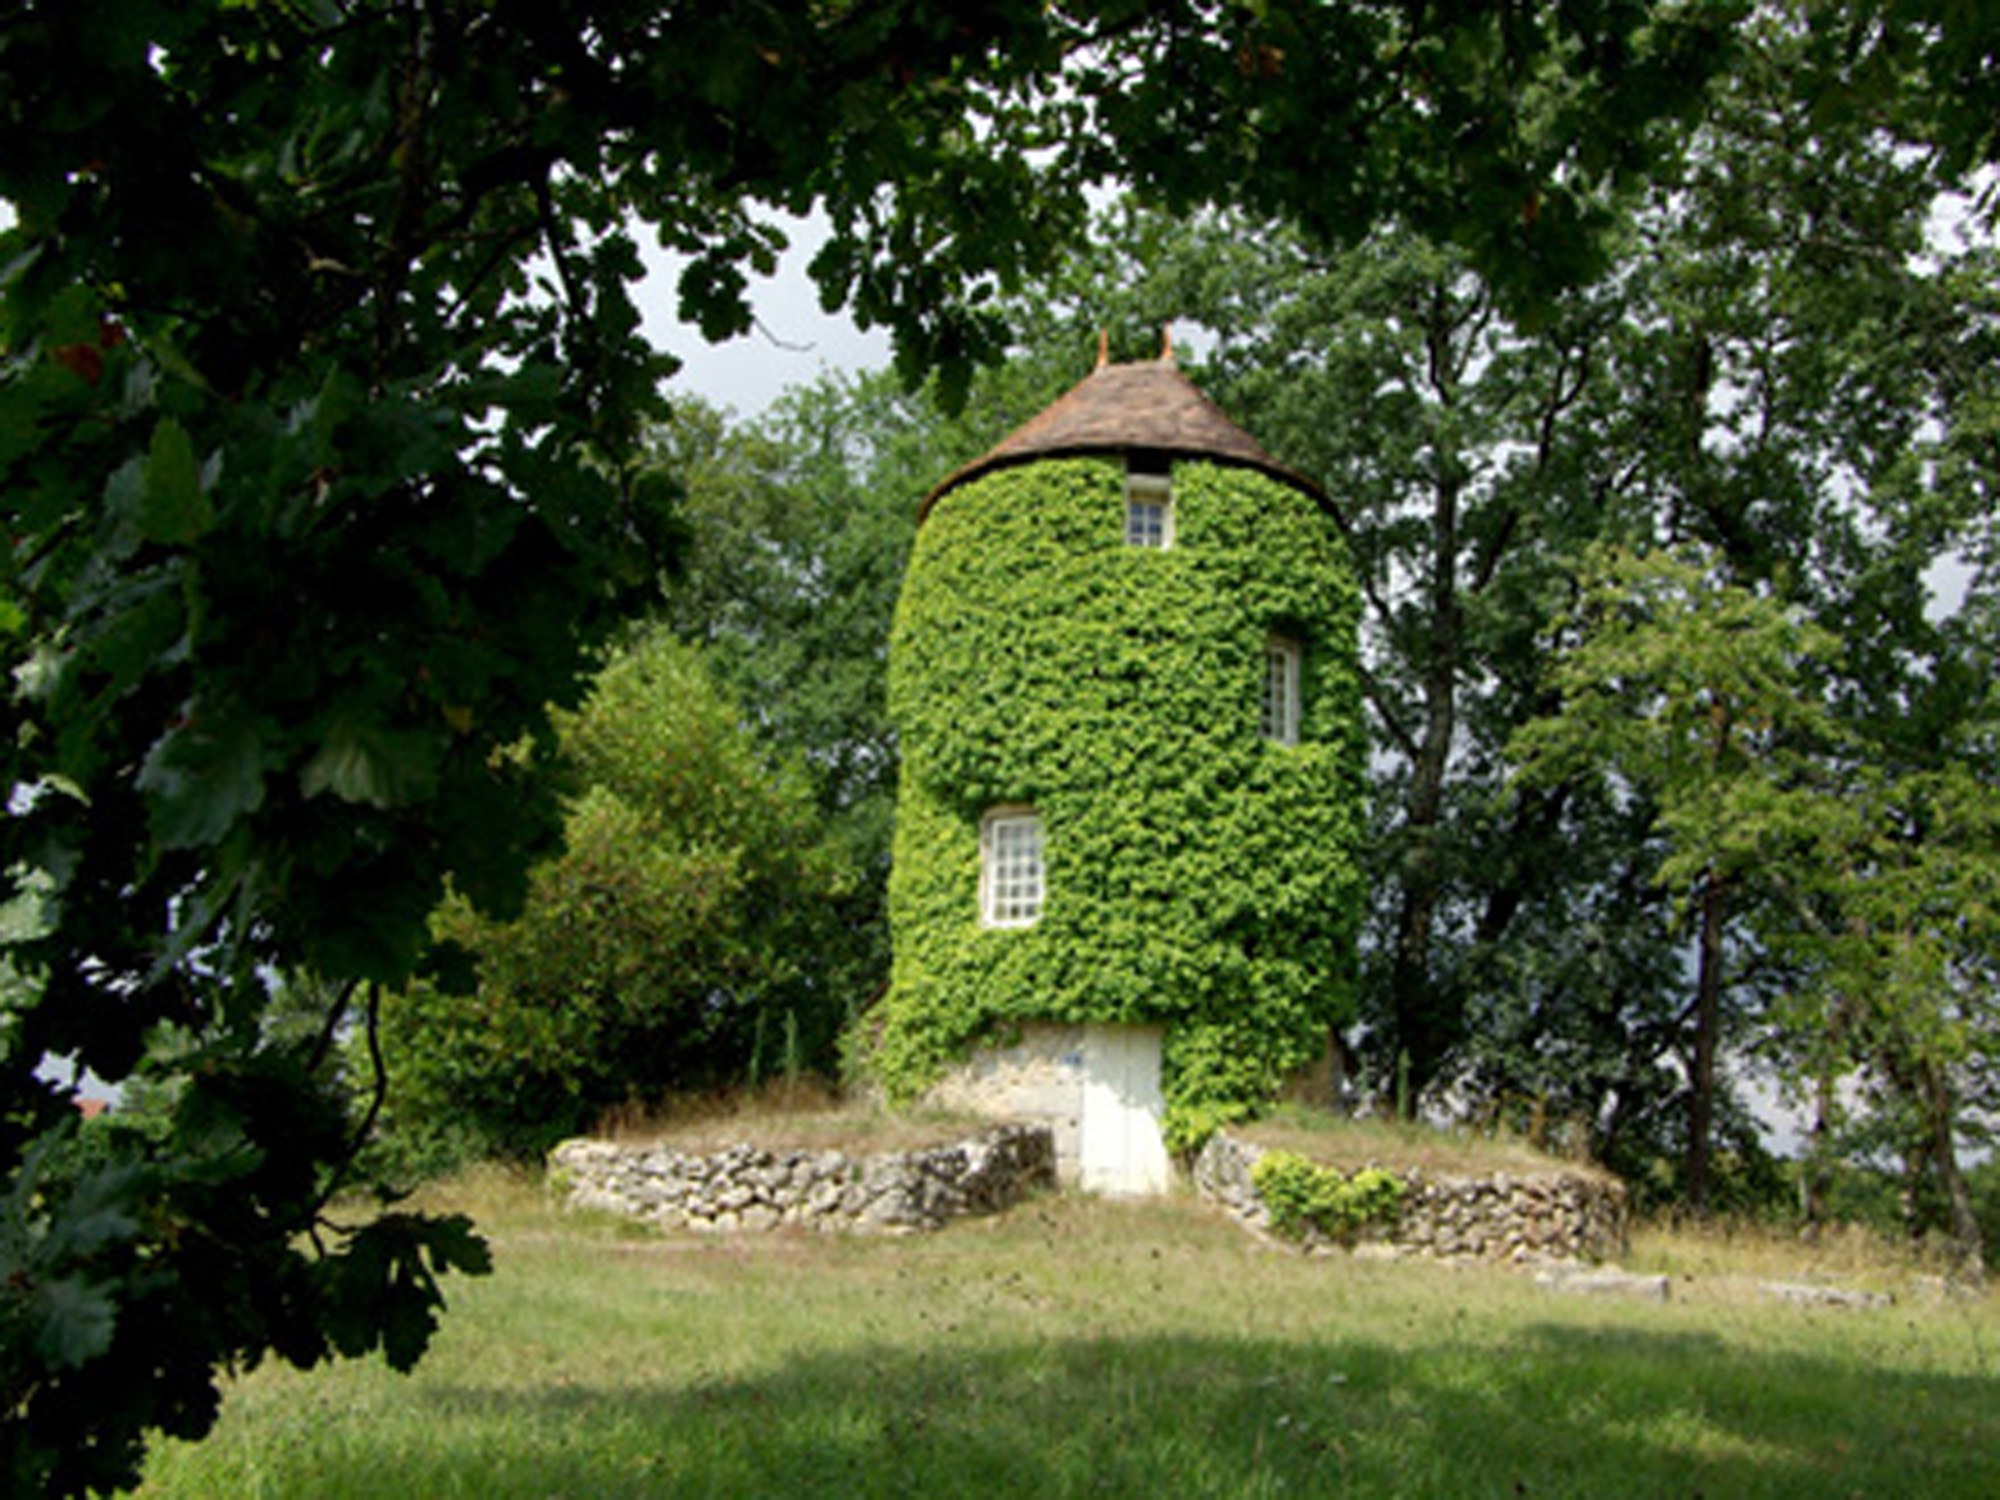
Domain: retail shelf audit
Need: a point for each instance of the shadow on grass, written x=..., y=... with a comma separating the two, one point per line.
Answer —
x=1556, y=1410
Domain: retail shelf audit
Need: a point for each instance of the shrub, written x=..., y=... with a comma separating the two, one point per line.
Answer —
x=670, y=946
x=1304, y=1196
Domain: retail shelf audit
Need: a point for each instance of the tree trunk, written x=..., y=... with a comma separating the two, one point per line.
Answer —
x=1420, y=1026
x=1968, y=1244
x=1707, y=1023
x=1424, y=1029
x=1910, y=1194
x=1813, y=1176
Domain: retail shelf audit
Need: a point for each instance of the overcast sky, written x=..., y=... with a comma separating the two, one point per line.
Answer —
x=793, y=342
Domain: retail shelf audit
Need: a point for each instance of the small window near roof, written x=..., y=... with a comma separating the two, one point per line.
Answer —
x=1278, y=710
x=1149, y=506
x=1010, y=868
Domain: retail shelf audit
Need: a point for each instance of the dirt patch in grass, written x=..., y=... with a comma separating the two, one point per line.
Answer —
x=1336, y=1141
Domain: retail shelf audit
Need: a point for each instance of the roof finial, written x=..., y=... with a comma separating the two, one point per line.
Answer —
x=1103, y=347
x=1166, y=343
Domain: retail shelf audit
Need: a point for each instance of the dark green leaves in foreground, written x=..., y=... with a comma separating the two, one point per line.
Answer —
x=56, y=1307
x=390, y=1267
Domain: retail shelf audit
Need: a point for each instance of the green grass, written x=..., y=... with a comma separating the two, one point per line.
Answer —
x=1340, y=1141
x=1079, y=1347
x=790, y=1117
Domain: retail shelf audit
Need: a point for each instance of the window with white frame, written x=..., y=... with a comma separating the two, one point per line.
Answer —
x=1010, y=847
x=1278, y=710
x=1149, y=506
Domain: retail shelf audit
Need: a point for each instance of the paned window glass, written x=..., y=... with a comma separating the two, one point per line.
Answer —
x=1278, y=712
x=1012, y=883
x=1149, y=510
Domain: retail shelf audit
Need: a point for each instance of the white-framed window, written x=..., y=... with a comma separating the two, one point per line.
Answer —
x=1149, y=508
x=1278, y=708
x=1010, y=868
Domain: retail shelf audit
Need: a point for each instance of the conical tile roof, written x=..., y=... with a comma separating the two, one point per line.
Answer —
x=1148, y=408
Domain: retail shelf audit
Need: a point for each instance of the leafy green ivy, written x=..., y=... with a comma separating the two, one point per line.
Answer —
x=1304, y=1196
x=1196, y=874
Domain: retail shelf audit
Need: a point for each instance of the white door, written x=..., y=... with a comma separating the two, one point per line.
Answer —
x=1121, y=1149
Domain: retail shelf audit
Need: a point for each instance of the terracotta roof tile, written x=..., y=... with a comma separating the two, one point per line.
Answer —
x=1137, y=408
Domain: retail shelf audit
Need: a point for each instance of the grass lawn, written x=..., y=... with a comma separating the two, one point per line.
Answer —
x=1349, y=1143
x=1081, y=1347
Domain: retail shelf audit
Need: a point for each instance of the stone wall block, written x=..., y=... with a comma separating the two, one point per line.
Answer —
x=1557, y=1216
x=742, y=1188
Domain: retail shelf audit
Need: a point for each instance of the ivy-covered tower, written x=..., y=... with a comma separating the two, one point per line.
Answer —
x=1123, y=677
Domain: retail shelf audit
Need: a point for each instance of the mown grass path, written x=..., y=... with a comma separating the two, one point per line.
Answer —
x=1080, y=1348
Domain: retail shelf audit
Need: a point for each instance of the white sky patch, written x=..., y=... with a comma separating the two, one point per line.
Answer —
x=793, y=341
x=1964, y=220
x=1946, y=582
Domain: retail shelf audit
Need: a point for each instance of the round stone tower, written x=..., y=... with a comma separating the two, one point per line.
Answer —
x=1123, y=678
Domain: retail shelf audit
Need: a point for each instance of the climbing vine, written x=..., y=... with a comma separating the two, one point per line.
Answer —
x=1196, y=875
x=1305, y=1197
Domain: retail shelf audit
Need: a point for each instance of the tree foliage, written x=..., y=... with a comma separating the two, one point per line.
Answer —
x=1697, y=697
x=675, y=943
x=1870, y=887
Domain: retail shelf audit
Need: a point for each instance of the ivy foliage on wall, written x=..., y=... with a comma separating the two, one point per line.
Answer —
x=1306, y=1198
x=1196, y=875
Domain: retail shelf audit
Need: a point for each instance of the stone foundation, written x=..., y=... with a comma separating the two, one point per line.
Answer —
x=747, y=1188
x=1096, y=1088
x=1520, y=1218
x=1038, y=1077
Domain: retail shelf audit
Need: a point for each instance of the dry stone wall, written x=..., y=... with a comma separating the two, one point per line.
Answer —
x=1039, y=1076
x=749, y=1188
x=1515, y=1217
